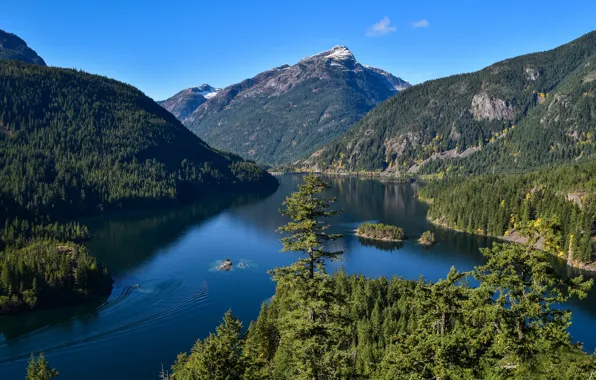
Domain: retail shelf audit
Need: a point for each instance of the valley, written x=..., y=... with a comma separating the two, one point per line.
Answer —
x=439, y=229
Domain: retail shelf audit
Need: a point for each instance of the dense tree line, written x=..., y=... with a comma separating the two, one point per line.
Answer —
x=321, y=326
x=47, y=273
x=537, y=109
x=563, y=197
x=73, y=143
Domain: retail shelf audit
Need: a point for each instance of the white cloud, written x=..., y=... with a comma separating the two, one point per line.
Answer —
x=420, y=24
x=381, y=28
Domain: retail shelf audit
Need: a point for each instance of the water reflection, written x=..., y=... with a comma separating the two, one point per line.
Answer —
x=129, y=239
x=389, y=246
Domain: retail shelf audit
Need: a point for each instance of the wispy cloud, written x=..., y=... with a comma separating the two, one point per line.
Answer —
x=420, y=24
x=381, y=28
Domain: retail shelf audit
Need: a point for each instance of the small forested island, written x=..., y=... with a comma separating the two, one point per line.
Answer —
x=427, y=238
x=380, y=231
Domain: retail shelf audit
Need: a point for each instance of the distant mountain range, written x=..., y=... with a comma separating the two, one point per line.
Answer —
x=515, y=115
x=285, y=113
x=14, y=48
x=187, y=101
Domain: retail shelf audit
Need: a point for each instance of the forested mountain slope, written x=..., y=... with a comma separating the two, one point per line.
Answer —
x=514, y=115
x=14, y=48
x=285, y=113
x=72, y=143
x=562, y=199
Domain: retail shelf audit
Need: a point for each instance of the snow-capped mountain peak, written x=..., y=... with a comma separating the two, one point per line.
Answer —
x=205, y=90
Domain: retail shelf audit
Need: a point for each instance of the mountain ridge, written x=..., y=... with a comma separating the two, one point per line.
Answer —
x=183, y=103
x=513, y=115
x=12, y=47
x=284, y=113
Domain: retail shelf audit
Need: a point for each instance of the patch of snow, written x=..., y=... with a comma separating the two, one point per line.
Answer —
x=210, y=94
x=340, y=52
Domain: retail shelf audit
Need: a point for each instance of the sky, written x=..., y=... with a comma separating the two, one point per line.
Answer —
x=162, y=47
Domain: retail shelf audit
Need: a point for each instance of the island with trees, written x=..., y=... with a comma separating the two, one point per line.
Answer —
x=380, y=231
x=47, y=273
x=427, y=238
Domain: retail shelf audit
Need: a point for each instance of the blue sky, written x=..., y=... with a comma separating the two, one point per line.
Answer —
x=164, y=46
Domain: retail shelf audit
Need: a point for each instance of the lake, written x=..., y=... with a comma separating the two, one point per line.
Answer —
x=168, y=292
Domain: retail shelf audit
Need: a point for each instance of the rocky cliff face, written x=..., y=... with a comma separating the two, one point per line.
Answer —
x=486, y=108
x=285, y=113
x=14, y=48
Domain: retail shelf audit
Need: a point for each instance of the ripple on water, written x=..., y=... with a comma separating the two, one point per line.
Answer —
x=120, y=314
x=241, y=264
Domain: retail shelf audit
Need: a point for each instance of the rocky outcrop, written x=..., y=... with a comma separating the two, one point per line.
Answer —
x=452, y=153
x=484, y=107
x=226, y=265
x=531, y=73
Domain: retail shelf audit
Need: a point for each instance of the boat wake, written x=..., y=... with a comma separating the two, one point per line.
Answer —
x=116, y=308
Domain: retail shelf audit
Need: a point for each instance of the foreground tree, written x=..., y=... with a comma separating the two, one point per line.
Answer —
x=313, y=343
x=39, y=369
x=526, y=289
x=308, y=227
x=218, y=357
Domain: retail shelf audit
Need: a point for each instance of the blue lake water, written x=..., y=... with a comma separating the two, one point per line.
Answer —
x=168, y=293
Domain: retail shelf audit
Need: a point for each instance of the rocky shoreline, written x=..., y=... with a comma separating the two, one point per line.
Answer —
x=514, y=237
x=378, y=239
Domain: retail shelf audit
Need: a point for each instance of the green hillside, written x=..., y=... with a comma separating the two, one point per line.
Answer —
x=562, y=199
x=514, y=115
x=72, y=143
x=76, y=144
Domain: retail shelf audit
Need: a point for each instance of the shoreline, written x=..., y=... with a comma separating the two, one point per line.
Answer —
x=382, y=176
x=588, y=267
x=376, y=239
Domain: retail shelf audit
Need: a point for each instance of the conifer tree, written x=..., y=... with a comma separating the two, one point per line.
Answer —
x=526, y=288
x=307, y=229
x=218, y=357
x=261, y=344
x=312, y=340
x=39, y=369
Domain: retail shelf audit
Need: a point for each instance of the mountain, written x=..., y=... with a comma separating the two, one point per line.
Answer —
x=284, y=113
x=14, y=48
x=186, y=101
x=73, y=143
x=514, y=115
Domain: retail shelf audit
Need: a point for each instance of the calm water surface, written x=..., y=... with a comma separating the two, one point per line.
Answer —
x=167, y=292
